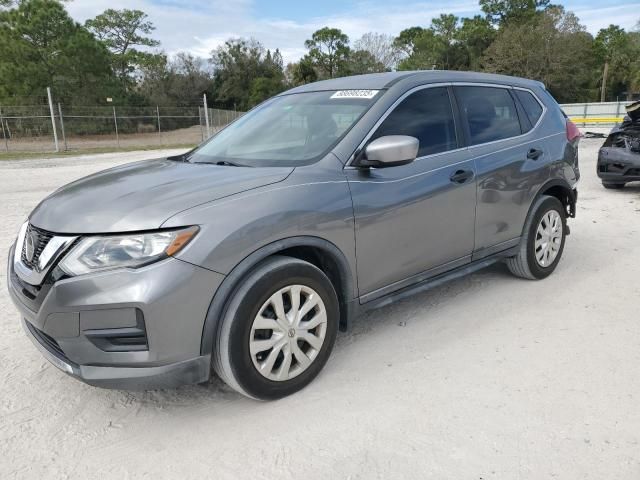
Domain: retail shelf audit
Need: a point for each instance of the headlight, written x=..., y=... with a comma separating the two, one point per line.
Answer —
x=93, y=254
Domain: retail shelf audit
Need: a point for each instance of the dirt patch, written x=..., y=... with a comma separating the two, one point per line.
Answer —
x=486, y=377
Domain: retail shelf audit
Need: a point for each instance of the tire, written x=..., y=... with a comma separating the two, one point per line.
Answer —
x=251, y=317
x=613, y=186
x=526, y=263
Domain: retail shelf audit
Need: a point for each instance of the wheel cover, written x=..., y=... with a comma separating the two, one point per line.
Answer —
x=548, y=238
x=288, y=332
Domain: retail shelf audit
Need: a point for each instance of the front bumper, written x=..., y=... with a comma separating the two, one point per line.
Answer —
x=618, y=165
x=74, y=321
x=195, y=370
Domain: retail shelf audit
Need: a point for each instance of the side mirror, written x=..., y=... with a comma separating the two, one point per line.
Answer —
x=390, y=151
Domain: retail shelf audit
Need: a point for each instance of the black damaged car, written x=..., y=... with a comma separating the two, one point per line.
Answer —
x=619, y=156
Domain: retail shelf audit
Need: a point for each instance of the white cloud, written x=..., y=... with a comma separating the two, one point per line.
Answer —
x=199, y=27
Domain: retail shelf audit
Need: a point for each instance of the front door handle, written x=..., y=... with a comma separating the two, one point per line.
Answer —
x=461, y=176
x=534, y=154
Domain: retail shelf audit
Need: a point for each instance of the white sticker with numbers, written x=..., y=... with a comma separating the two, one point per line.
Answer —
x=355, y=94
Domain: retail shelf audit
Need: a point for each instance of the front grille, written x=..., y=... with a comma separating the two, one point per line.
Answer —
x=40, y=239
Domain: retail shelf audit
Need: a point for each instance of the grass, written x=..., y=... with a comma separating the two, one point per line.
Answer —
x=89, y=151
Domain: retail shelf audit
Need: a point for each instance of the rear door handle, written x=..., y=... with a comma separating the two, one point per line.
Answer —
x=534, y=154
x=461, y=176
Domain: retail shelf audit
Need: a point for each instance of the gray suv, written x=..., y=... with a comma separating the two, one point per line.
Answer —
x=247, y=254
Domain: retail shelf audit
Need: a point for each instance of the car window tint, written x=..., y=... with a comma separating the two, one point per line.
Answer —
x=425, y=115
x=531, y=106
x=490, y=113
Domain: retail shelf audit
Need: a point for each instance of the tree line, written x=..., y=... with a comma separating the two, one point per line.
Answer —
x=114, y=55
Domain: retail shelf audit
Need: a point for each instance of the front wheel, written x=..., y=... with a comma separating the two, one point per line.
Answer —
x=543, y=240
x=278, y=329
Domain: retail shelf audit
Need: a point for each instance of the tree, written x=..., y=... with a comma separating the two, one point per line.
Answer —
x=40, y=46
x=475, y=35
x=551, y=47
x=121, y=31
x=328, y=50
x=239, y=65
x=435, y=47
x=179, y=81
x=362, y=61
x=301, y=72
x=617, y=51
x=501, y=12
x=406, y=39
x=381, y=47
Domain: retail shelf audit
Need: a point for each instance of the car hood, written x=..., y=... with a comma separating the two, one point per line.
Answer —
x=142, y=195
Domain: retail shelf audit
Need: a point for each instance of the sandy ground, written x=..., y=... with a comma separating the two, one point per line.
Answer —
x=488, y=377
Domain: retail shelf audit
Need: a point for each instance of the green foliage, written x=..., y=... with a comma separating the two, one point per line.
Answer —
x=112, y=56
x=475, y=35
x=329, y=51
x=406, y=40
x=244, y=74
x=180, y=81
x=40, y=46
x=501, y=12
x=620, y=51
x=120, y=31
x=363, y=61
x=448, y=43
x=551, y=47
x=302, y=72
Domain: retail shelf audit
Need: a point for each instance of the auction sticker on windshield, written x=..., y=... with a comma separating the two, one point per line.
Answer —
x=355, y=94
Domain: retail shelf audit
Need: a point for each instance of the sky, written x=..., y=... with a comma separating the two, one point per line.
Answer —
x=199, y=26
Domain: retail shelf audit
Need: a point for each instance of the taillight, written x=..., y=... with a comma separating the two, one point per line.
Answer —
x=573, y=132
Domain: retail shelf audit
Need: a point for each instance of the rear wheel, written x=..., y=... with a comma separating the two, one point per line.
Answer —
x=278, y=330
x=613, y=186
x=543, y=241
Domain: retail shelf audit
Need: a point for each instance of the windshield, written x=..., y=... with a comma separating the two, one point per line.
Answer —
x=289, y=130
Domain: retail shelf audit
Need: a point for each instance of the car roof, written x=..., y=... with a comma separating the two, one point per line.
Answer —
x=379, y=81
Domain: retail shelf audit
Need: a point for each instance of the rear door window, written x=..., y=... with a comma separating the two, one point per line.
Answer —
x=489, y=113
x=531, y=106
x=426, y=115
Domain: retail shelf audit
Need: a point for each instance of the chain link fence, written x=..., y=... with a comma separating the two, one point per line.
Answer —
x=34, y=128
x=27, y=124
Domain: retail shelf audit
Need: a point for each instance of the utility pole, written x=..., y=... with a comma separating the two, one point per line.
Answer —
x=64, y=136
x=4, y=134
x=115, y=123
x=53, y=119
x=603, y=89
x=206, y=114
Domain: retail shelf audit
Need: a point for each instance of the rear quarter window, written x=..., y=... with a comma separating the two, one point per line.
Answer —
x=489, y=112
x=531, y=106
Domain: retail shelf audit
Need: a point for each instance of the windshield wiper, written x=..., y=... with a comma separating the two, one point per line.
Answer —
x=226, y=163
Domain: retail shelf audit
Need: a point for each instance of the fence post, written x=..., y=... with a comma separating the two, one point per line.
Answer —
x=64, y=136
x=4, y=134
x=200, y=122
x=206, y=113
x=618, y=109
x=158, y=113
x=115, y=122
x=584, y=115
x=53, y=119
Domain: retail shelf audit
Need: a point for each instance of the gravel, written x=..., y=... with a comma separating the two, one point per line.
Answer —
x=487, y=377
